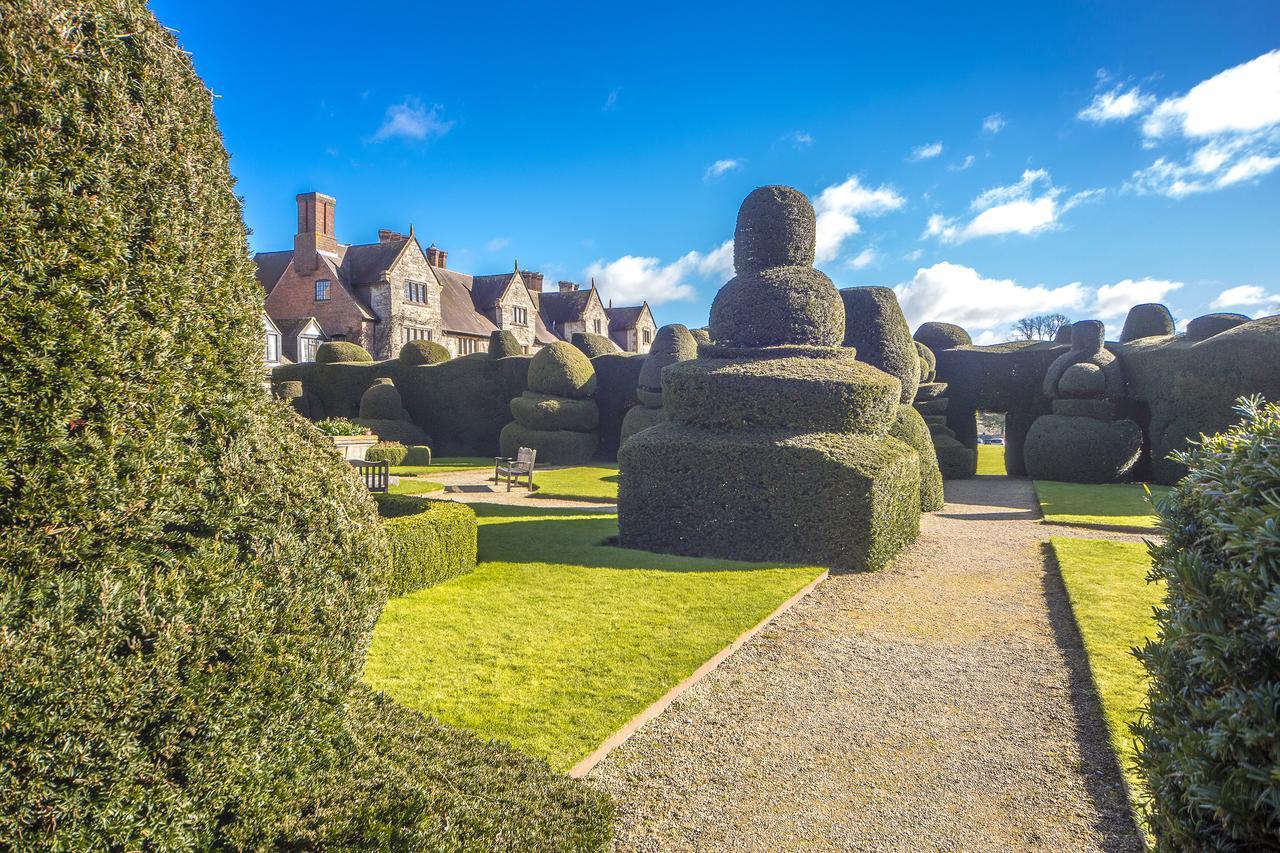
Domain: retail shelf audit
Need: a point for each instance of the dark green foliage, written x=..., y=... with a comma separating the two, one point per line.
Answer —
x=759, y=505
x=340, y=426
x=1103, y=410
x=1082, y=380
x=336, y=387
x=401, y=430
x=955, y=461
x=1209, y=740
x=287, y=390
x=417, y=454
x=1208, y=325
x=504, y=344
x=1148, y=320
x=936, y=406
x=391, y=452
x=875, y=326
x=563, y=370
x=1063, y=335
x=332, y=352
x=594, y=345
x=940, y=336
x=191, y=576
x=779, y=305
x=672, y=343
x=810, y=394
x=649, y=399
x=928, y=363
x=424, y=352
x=463, y=403
x=701, y=336
x=641, y=417
x=546, y=411
x=776, y=227
x=930, y=391
x=1081, y=450
x=555, y=447
x=910, y=429
x=616, y=378
x=381, y=402
x=431, y=541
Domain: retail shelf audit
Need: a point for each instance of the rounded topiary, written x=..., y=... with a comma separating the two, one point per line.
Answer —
x=503, y=344
x=701, y=336
x=909, y=427
x=874, y=325
x=777, y=306
x=331, y=352
x=287, y=390
x=1063, y=335
x=1081, y=449
x=182, y=651
x=1148, y=320
x=594, y=345
x=930, y=391
x=1208, y=742
x=939, y=336
x=549, y=412
x=1082, y=380
x=562, y=369
x=928, y=363
x=424, y=352
x=1208, y=325
x=639, y=418
x=671, y=344
x=391, y=452
x=777, y=227
x=381, y=402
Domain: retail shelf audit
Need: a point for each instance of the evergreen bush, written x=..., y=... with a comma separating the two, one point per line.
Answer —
x=424, y=352
x=334, y=352
x=875, y=326
x=910, y=429
x=1208, y=325
x=391, y=452
x=431, y=541
x=381, y=402
x=939, y=336
x=617, y=375
x=594, y=345
x=503, y=344
x=1148, y=320
x=561, y=369
x=417, y=454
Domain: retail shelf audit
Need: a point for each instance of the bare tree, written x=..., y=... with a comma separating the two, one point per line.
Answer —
x=1041, y=327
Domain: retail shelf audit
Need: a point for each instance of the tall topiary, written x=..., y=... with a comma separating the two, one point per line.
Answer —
x=503, y=344
x=594, y=345
x=1209, y=740
x=671, y=344
x=190, y=575
x=556, y=415
x=1148, y=320
x=875, y=326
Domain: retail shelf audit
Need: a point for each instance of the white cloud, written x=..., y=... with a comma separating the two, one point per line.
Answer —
x=993, y=123
x=497, y=243
x=630, y=279
x=1113, y=301
x=958, y=294
x=914, y=255
x=1231, y=122
x=611, y=101
x=412, y=120
x=1026, y=207
x=800, y=139
x=1117, y=104
x=838, y=207
x=722, y=167
x=863, y=259
x=925, y=152
x=1251, y=296
x=968, y=161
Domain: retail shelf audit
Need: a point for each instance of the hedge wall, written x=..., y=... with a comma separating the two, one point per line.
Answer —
x=431, y=541
x=910, y=429
x=1081, y=450
x=617, y=375
x=594, y=345
x=336, y=352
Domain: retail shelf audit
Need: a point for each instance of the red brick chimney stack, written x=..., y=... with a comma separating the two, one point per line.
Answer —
x=568, y=286
x=533, y=280
x=438, y=258
x=386, y=235
x=315, y=230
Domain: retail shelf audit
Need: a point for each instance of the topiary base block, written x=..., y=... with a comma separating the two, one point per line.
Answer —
x=1102, y=410
x=641, y=417
x=549, y=412
x=937, y=406
x=555, y=447
x=405, y=432
x=1081, y=450
x=911, y=429
x=849, y=502
x=930, y=391
x=956, y=461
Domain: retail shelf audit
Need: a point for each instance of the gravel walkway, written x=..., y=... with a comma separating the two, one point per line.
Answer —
x=941, y=704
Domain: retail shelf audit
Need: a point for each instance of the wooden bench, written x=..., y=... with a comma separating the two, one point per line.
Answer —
x=376, y=475
x=513, y=469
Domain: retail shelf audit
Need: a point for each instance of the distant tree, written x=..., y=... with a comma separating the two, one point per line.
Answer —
x=1041, y=327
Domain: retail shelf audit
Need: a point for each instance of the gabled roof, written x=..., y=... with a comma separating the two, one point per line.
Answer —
x=291, y=328
x=457, y=312
x=366, y=263
x=625, y=317
x=557, y=307
x=488, y=290
x=365, y=311
x=269, y=266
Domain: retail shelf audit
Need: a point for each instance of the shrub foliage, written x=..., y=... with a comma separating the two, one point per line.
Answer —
x=333, y=352
x=431, y=541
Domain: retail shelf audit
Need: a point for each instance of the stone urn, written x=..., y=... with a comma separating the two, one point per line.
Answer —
x=354, y=447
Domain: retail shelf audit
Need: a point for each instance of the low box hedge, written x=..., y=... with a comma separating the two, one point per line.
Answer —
x=431, y=540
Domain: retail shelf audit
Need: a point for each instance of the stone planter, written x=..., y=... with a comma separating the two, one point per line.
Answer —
x=354, y=447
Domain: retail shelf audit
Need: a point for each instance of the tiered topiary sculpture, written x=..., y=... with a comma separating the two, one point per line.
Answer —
x=1082, y=442
x=876, y=328
x=556, y=416
x=954, y=460
x=382, y=411
x=778, y=445
x=671, y=344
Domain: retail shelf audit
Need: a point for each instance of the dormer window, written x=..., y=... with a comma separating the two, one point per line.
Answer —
x=415, y=291
x=520, y=316
x=322, y=290
x=596, y=325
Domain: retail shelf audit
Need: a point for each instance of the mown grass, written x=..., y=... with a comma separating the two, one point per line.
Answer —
x=1125, y=506
x=556, y=640
x=1112, y=602
x=445, y=465
x=414, y=487
x=991, y=460
x=583, y=483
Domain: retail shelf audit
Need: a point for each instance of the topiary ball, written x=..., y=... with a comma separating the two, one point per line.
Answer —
x=874, y=325
x=503, y=344
x=1149, y=320
x=562, y=369
x=702, y=336
x=673, y=343
x=381, y=402
x=1088, y=336
x=777, y=227
x=424, y=352
x=1082, y=380
x=594, y=345
x=287, y=389
x=778, y=306
x=1208, y=325
x=939, y=336
x=331, y=352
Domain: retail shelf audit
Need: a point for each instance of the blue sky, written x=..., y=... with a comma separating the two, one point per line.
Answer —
x=1028, y=158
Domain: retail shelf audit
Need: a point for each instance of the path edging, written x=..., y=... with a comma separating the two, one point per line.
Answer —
x=622, y=735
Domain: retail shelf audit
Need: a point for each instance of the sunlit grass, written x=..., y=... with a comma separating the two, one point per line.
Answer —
x=1122, y=505
x=584, y=483
x=991, y=460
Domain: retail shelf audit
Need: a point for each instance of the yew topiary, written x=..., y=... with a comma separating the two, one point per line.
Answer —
x=503, y=343
x=1148, y=320
x=563, y=370
x=424, y=352
x=1208, y=325
x=940, y=336
x=333, y=352
x=381, y=402
x=594, y=345
x=875, y=326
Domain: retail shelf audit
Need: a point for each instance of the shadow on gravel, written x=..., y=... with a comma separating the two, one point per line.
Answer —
x=1103, y=780
x=995, y=492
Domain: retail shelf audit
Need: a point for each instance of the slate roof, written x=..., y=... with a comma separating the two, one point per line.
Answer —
x=458, y=313
x=487, y=290
x=365, y=263
x=624, y=318
x=269, y=266
x=558, y=307
x=293, y=327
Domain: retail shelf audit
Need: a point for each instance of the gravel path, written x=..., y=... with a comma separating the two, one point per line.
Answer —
x=941, y=704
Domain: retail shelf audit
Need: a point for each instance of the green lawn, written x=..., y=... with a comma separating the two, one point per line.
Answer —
x=584, y=483
x=444, y=465
x=1122, y=505
x=1112, y=602
x=408, y=486
x=557, y=640
x=991, y=460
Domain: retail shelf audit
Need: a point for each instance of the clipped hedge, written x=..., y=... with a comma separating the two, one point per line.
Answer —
x=594, y=345
x=417, y=454
x=875, y=326
x=777, y=306
x=391, y=452
x=561, y=369
x=776, y=228
x=333, y=352
x=1081, y=449
x=503, y=344
x=547, y=411
x=671, y=344
x=928, y=363
x=942, y=336
x=641, y=417
x=431, y=541
x=1208, y=742
x=424, y=352
x=760, y=503
x=1208, y=325
x=381, y=402
x=1148, y=320
x=909, y=428
x=617, y=375
x=555, y=447
x=400, y=430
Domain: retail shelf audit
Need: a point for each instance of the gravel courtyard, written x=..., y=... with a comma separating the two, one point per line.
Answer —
x=941, y=704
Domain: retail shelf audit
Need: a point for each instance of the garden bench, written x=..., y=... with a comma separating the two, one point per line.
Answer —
x=376, y=475
x=514, y=469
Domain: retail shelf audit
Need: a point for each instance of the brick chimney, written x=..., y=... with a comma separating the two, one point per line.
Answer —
x=568, y=286
x=533, y=280
x=438, y=258
x=315, y=231
x=386, y=235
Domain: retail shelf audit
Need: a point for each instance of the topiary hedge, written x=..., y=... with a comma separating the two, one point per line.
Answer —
x=641, y=417
x=431, y=541
x=555, y=447
x=616, y=377
x=1208, y=325
x=563, y=370
x=504, y=344
x=910, y=428
x=875, y=326
x=417, y=454
x=941, y=336
x=594, y=345
x=1148, y=320
x=191, y=576
x=391, y=452
x=1081, y=449
x=424, y=352
x=332, y=352
x=779, y=305
x=381, y=401
x=1208, y=742
x=546, y=411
